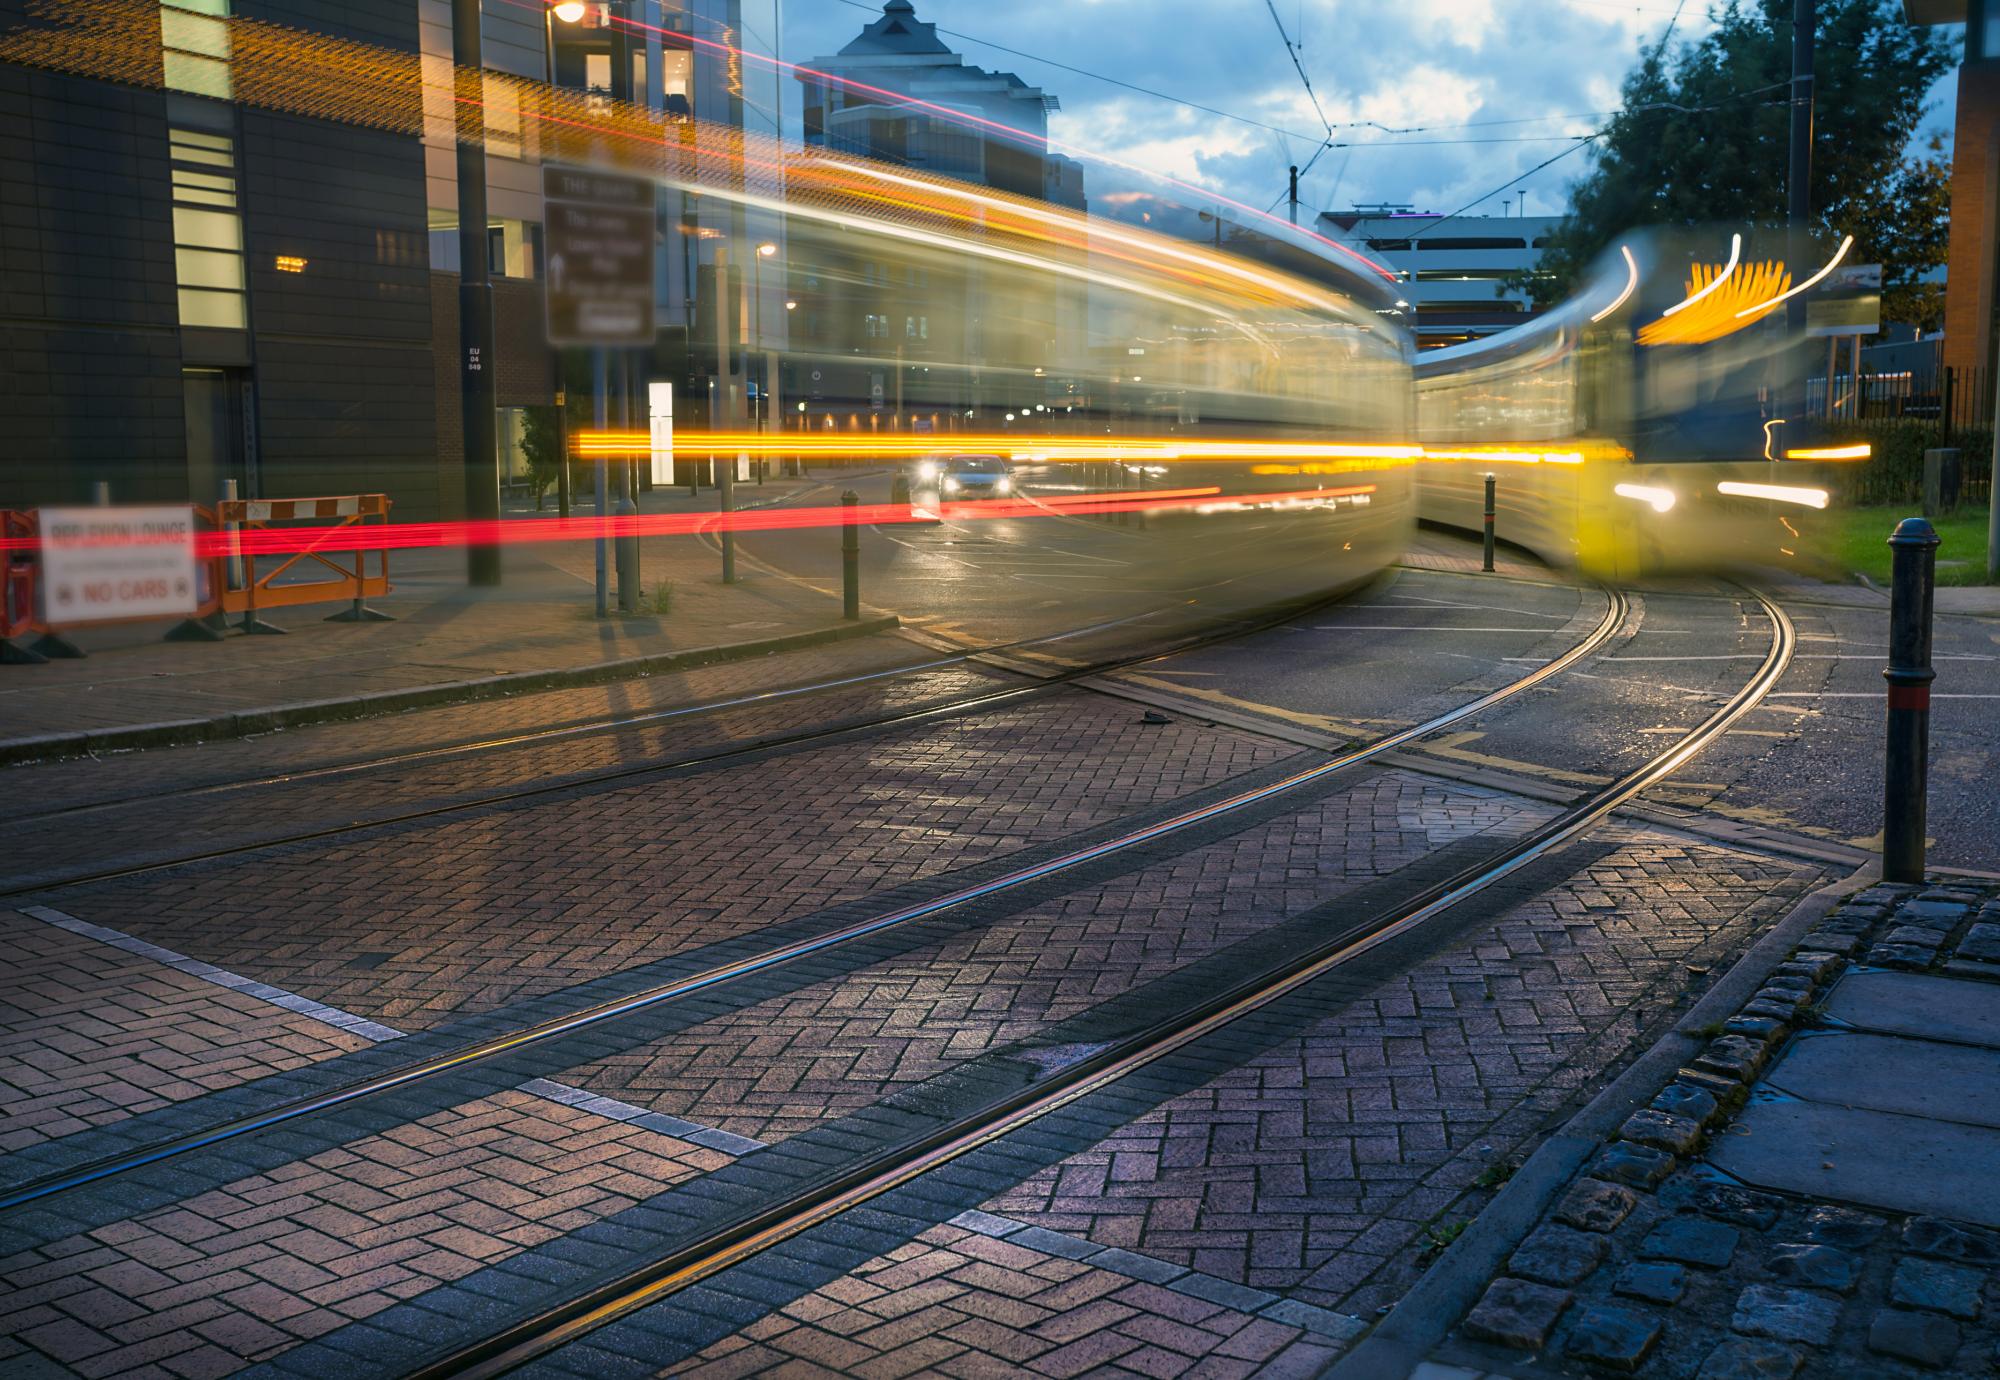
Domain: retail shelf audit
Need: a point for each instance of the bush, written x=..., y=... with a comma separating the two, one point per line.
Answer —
x=1895, y=473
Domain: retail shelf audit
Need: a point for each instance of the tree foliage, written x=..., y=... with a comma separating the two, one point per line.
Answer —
x=1703, y=137
x=541, y=447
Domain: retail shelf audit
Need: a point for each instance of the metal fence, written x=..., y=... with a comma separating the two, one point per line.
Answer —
x=1951, y=400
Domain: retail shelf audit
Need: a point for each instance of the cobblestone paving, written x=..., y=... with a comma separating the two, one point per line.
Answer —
x=783, y=1065
x=91, y=1035
x=247, y=1271
x=1317, y=1168
x=413, y=924
x=959, y=1304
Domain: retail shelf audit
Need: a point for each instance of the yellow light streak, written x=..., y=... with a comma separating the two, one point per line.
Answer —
x=1715, y=306
x=612, y=443
x=1777, y=493
x=1861, y=452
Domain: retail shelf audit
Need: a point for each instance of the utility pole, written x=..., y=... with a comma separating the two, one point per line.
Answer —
x=1295, y=194
x=1798, y=208
x=475, y=302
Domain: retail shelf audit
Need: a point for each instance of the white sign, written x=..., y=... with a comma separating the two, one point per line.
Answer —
x=105, y=563
x=660, y=403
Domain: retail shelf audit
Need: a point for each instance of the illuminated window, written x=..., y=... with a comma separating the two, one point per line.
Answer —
x=208, y=231
x=194, y=47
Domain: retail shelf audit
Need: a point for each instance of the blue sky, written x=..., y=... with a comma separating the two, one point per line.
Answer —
x=1443, y=69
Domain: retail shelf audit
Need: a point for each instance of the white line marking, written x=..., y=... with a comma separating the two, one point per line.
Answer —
x=711, y=1137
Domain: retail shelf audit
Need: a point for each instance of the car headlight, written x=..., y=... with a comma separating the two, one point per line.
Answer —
x=927, y=469
x=951, y=486
x=1003, y=485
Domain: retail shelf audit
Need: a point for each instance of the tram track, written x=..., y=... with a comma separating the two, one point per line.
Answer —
x=746, y=1233
x=1615, y=614
x=981, y=701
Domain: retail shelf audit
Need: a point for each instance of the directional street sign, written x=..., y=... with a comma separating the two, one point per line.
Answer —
x=598, y=251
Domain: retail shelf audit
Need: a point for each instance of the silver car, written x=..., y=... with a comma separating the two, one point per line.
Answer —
x=974, y=476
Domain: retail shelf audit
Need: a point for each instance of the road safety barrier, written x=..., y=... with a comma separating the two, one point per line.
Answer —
x=66, y=568
x=255, y=591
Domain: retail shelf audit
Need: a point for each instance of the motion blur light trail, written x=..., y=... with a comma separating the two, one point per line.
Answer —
x=427, y=535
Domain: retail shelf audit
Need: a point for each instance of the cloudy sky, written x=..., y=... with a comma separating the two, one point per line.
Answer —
x=1488, y=88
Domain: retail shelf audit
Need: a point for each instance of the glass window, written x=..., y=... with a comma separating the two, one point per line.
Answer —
x=220, y=310
x=208, y=268
x=207, y=229
x=194, y=33
x=200, y=76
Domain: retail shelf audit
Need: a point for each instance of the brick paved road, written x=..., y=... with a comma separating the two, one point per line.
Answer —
x=780, y=1066
x=956, y=1303
x=90, y=1035
x=250, y=1270
x=1316, y=1168
x=38, y=788
x=474, y=911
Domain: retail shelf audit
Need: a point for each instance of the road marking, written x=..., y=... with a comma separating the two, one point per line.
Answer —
x=1863, y=695
x=1410, y=627
x=710, y=1137
x=1491, y=608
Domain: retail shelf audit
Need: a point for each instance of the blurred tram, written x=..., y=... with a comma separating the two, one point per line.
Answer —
x=1640, y=426
x=925, y=318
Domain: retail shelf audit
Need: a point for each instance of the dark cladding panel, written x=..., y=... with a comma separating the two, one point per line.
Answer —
x=348, y=418
x=389, y=23
x=90, y=375
x=343, y=208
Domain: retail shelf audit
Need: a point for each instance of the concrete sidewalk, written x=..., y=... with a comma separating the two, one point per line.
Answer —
x=449, y=643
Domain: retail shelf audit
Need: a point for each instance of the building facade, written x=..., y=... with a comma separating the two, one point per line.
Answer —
x=1461, y=275
x=195, y=289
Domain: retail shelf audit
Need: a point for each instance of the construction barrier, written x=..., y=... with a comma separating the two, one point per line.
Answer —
x=230, y=575
x=251, y=591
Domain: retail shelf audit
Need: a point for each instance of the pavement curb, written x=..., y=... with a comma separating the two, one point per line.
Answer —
x=1418, y=1324
x=303, y=713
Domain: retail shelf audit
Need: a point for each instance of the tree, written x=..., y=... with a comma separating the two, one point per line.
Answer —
x=541, y=446
x=1703, y=137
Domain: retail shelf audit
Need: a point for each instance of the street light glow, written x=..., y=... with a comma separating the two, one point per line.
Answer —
x=569, y=11
x=766, y=250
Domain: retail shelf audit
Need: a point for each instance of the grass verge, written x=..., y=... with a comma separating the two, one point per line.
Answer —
x=1861, y=542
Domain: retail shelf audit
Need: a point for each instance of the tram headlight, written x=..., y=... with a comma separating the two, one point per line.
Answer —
x=1661, y=500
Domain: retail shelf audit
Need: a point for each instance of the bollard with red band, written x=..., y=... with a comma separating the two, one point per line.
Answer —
x=1906, y=758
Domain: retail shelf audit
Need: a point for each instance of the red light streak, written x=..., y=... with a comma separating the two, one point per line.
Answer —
x=419, y=536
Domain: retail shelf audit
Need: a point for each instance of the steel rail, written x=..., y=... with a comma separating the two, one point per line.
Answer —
x=887, y=1169
x=1616, y=608
x=984, y=699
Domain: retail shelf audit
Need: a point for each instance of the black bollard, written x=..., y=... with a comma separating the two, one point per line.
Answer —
x=726, y=482
x=1491, y=482
x=850, y=557
x=1906, y=755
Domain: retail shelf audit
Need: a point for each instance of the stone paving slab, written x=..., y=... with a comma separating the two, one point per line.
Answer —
x=1925, y=1007
x=1880, y=1073
x=1878, y=1159
x=1781, y=1236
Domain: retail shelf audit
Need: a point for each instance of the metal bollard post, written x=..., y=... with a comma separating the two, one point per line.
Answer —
x=628, y=544
x=1906, y=755
x=727, y=475
x=850, y=557
x=1491, y=483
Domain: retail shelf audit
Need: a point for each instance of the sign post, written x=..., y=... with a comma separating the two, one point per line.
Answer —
x=598, y=249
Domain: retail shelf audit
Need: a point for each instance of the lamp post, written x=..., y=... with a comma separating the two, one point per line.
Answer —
x=475, y=309
x=764, y=251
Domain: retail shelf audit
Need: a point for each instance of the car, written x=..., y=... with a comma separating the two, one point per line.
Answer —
x=975, y=476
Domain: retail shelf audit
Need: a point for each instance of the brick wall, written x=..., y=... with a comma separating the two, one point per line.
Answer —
x=1970, y=267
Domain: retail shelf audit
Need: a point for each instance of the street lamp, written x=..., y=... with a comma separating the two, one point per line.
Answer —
x=764, y=251
x=570, y=11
